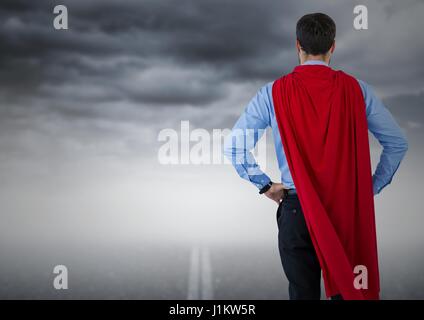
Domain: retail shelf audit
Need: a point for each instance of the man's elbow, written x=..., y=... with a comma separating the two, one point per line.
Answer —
x=403, y=146
x=406, y=146
x=405, y=143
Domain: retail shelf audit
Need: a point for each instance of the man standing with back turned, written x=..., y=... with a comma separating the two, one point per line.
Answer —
x=320, y=119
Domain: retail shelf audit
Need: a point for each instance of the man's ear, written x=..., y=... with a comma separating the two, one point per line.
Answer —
x=333, y=47
x=298, y=46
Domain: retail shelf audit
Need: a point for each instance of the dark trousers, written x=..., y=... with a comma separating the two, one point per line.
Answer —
x=297, y=252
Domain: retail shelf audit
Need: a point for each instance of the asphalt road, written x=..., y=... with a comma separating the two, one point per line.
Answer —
x=173, y=272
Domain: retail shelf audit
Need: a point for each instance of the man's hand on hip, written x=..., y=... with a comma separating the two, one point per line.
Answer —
x=276, y=192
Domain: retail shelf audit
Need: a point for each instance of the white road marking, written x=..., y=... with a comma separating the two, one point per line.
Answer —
x=193, y=277
x=200, y=277
x=206, y=275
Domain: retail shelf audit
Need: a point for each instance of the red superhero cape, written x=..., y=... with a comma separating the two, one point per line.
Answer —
x=322, y=121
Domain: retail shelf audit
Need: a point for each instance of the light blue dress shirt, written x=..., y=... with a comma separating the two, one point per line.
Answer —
x=259, y=114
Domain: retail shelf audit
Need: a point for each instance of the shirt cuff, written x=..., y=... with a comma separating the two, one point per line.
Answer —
x=260, y=181
x=377, y=186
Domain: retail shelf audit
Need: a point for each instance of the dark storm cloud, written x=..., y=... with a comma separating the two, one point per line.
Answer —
x=225, y=41
x=108, y=41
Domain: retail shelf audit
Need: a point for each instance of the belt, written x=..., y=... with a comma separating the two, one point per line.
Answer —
x=290, y=192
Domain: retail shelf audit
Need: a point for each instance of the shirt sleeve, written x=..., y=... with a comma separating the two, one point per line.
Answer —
x=385, y=129
x=244, y=136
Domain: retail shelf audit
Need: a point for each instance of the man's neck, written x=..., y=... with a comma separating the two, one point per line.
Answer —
x=315, y=62
x=311, y=58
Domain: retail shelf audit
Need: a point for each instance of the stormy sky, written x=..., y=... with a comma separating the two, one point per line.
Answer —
x=81, y=109
x=125, y=69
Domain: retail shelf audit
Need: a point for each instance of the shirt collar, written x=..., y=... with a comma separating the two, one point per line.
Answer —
x=315, y=62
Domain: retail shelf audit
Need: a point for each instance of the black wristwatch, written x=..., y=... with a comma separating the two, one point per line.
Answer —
x=266, y=187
